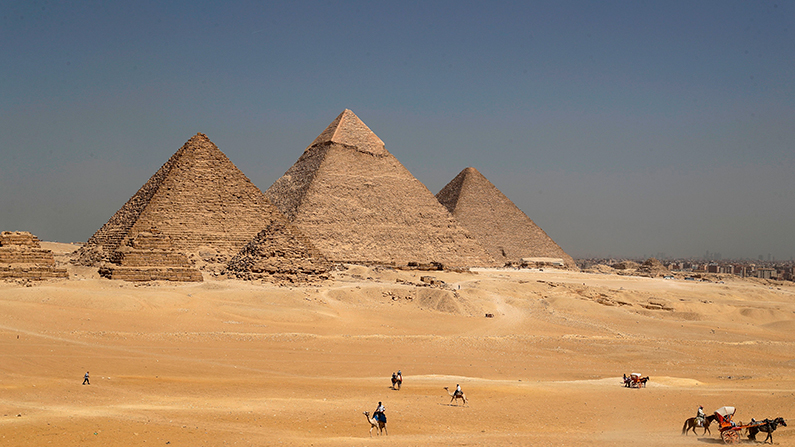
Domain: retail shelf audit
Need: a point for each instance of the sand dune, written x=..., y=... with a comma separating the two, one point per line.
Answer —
x=234, y=362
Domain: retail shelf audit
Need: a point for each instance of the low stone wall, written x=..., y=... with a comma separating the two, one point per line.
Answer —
x=31, y=272
x=20, y=255
x=151, y=274
x=152, y=258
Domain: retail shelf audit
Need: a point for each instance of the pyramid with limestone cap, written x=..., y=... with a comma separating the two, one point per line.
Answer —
x=357, y=203
x=500, y=226
x=198, y=203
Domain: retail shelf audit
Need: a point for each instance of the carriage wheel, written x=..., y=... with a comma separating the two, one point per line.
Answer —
x=730, y=437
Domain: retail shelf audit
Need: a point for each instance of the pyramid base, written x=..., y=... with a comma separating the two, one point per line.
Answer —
x=182, y=274
x=31, y=272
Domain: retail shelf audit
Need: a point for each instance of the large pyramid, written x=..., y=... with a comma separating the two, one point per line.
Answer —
x=500, y=226
x=198, y=204
x=357, y=203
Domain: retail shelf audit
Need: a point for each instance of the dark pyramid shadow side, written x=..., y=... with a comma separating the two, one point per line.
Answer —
x=500, y=226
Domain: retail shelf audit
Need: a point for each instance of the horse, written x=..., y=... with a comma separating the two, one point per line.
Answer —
x=769, y=427
x=642, y=382
x=691, y=424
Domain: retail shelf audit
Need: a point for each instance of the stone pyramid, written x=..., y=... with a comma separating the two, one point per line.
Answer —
x=357, y=203
x=500, y=226
x=279, y=253
x=21, y=257
x=198, y=204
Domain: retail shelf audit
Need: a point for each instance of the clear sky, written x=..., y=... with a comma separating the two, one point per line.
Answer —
x=623, y=128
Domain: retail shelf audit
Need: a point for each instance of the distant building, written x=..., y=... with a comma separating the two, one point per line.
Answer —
x=766, y=273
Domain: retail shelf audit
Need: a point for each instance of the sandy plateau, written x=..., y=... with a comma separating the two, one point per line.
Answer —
x=229, y=362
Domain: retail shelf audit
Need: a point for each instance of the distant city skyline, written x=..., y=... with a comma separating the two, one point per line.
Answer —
x=621, y=129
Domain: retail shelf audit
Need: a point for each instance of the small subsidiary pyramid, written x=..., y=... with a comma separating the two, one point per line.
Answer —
x=198, y=204
x=500, y=226
x=21, y=257
x=357, y=203
x=279, y=253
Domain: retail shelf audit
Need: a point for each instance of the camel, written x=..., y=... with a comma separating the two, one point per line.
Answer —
x=455, y=397
x=396, y=381
x=690, y=424
x=375, y=424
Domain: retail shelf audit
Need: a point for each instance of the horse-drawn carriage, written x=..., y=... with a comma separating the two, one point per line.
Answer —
x=730, y=431
x=635, y=380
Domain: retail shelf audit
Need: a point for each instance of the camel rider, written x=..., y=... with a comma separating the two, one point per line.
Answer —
x=378, y=414
x=700, y=416
x=399, y=376
x=458, y=391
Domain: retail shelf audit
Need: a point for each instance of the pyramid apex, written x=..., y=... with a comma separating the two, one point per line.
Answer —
x=199, y=137
x=348, y=130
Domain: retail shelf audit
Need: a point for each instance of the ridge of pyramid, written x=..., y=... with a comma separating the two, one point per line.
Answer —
x=198, y=199
x=502, y=228
x=356, y=207
x=449, y=195
x=348, y=130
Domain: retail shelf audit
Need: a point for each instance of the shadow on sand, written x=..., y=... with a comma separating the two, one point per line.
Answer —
x=711, y=440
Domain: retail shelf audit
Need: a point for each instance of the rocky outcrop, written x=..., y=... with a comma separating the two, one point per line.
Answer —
x=653, y=268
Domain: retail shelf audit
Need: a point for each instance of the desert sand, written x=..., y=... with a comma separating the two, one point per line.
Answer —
x=231, y=362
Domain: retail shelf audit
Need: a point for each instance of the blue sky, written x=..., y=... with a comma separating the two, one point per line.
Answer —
x=622, y=128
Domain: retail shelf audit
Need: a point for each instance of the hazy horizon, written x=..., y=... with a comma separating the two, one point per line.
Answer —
x=621, y=129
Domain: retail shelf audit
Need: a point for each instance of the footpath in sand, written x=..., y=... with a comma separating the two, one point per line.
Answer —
x=245, y=363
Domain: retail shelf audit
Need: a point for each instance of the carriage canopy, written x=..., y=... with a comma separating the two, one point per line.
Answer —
x=636, y=375
x=726, y=412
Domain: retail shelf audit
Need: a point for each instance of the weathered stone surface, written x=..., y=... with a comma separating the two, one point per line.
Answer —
x=197, y=205
x=653, y=268
x=356, y=202
x=149, y=256
x=279, y=253
x=18, y=238
x=21, y=257
x=150, y=274
x=500, y=226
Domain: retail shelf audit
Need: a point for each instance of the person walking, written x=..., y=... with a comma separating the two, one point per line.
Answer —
x=85, y=379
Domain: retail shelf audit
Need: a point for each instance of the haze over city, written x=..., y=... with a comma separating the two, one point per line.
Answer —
x=621, y=129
